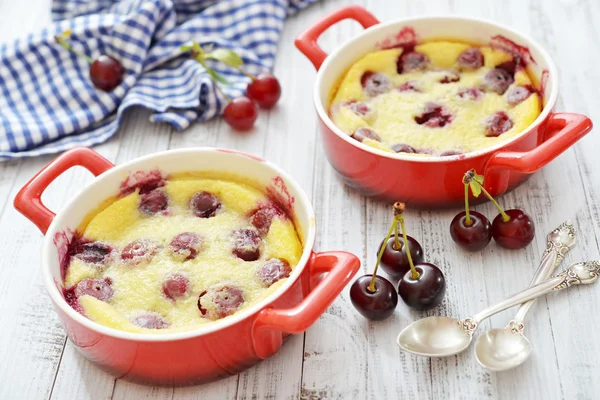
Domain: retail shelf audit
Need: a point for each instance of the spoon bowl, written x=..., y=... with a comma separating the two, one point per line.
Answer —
x=434, y=337
x=501, y=349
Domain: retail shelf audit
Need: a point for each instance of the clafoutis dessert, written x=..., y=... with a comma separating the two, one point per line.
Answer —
x=439, y=98
x=176, y=253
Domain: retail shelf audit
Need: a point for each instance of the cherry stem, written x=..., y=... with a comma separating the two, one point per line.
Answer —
x=371, y=286
x=414, y=273
x=68, y=47
x=221, y=91
x=505, y=217
x=468, y=221
x=396, y=245
x=245, y=73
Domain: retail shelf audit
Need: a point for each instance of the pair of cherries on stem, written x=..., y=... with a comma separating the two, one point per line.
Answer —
x=511, y=229
x=106, y=72
x=263, y=89
x=421, y=286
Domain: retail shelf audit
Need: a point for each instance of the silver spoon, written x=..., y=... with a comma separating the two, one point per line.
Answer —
x=446, y=336
x=501, y=349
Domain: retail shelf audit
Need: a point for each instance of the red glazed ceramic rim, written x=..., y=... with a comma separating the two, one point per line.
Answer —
x=302, y=201
x=331, y=60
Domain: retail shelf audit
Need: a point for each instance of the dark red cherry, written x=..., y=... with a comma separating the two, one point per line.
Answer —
x=450, y=77
x=496, y=124
x=217, y=303
x=240, y=113
x=425, y=292
x=185, y=246
x=377, y=305
x=246, y=244
x=262, y=218
x=403, y=148
x=365, y=133
x=517, y=94
x=273, y=271
x=413, y=61
x=434, y=116
x=516, y=233
x=106, y=73
x=141, y=250
x=410, y=86
x=93, y=252
x=374, y=83
x=153, y=202
x=470, y=94
x=498, y=80
x=360, y=108
x=205, y=204
x=470, y=59
x=151, y=320
x=394, y=261
x=265, y=90
x=98, y=288
x=176, y=286
x=473, y=237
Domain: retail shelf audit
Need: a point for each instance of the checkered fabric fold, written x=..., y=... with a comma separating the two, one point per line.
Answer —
x=48, y=103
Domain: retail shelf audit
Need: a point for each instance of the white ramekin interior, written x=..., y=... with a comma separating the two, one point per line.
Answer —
x=218, y=161
x=467, y=29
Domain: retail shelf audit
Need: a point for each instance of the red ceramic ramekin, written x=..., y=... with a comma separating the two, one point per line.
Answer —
x=217, y=350
x=436, y=181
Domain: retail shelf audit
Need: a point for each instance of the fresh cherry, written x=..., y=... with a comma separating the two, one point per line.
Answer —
x=176, y=286
x=217, y=303
x=423, y=285
x=151, y=320
x=424, y=290
x=472, y=236
x=365, y=133
x=470, y=59
x=413, y=61
x=240, y=113
x=264, y=90
x=434, y=116
x=153, y=202
x=106, y=73
x=517, y=94
x=141, y=250
x=394, y=260
x=98, y=288
x=185, y=246
x=246, y=244
x=375, y=83
x=497, y=123
x=516, y=232
x=498, y=80
x=205, y=204
x=92, y=252
x=273, y=271
x=377, y=304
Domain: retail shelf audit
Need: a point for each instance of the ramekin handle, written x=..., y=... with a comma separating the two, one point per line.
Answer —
x=271, y=323
x=306, y=42
x=29, y=199
x=562, y=131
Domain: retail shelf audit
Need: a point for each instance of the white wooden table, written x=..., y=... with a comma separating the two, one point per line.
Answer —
x=344, y=356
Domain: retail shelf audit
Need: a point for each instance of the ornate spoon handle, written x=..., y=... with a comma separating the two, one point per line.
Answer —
x=560, y=241
x=576, y=274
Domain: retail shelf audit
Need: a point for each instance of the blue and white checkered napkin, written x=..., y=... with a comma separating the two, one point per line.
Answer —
x=48, y=103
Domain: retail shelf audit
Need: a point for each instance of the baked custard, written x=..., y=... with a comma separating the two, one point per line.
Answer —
x=439, y=98
x=174, y=254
